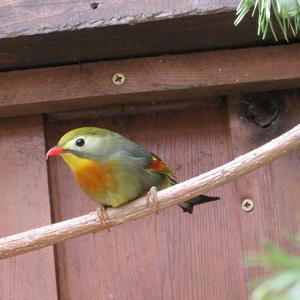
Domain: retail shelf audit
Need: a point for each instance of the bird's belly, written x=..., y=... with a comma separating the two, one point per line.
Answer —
x=109, y=184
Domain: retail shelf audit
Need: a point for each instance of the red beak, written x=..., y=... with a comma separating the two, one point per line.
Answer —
x=55, y=151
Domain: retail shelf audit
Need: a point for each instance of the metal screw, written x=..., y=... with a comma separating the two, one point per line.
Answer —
x=247, y=205
x=118, y=79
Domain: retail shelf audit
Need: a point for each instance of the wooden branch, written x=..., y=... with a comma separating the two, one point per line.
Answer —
x=49, y=235
x=152, y=79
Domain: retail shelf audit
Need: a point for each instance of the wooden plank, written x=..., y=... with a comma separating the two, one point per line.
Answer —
x=20, y=19
x=25, y=205
x=116, y=110
x=275, y=188
x=38, y=33
x=149, y=79
x=166, y=256
x=176, y=35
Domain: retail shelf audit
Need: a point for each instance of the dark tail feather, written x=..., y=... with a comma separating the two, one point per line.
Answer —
x=189, y=205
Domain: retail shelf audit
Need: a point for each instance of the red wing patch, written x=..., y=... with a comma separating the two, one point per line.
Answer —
x=159, y=166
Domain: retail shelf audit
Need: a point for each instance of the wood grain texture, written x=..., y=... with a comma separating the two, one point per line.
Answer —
x=149, y=80
x=31, y=17
x=169, y=256
x=24, y=205
x=19, y=18
x=42, y=33
x=275, y=188
x=134, y=109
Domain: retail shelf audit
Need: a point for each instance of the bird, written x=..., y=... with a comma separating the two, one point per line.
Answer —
x=113, y=170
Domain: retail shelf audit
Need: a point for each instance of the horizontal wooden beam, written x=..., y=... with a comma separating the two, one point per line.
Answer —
x=116, y=110
x=152, y=79
x=21, y=18
x=37, y=33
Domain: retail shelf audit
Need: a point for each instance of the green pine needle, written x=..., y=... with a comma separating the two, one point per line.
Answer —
x=285, y=12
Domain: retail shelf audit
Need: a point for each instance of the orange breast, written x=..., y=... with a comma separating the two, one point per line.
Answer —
x=94, y=178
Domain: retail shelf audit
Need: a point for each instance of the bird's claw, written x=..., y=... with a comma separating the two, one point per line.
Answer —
x=152, y=199
x=102, y=215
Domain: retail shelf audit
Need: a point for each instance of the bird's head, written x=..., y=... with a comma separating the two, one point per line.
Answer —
x=86, y=142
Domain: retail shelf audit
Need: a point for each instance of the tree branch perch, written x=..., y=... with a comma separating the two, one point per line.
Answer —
x=51, y=234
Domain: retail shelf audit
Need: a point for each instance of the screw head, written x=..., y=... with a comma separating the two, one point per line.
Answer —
x=118, y=79
x=247, y=205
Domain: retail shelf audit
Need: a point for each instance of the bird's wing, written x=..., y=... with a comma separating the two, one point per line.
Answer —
x=149, y=161
x=157, y=165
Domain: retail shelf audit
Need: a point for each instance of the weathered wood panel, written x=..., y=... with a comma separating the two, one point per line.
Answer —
x=149, y=79
x=19, y=18
x=25, y=205
x=170, y=256
x=274, y=189
x=42, y=33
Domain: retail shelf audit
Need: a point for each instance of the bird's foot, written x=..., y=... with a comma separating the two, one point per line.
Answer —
x=152, y=198
x=102, y=215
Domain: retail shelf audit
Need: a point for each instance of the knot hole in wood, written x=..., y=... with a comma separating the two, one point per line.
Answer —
x=262, y=110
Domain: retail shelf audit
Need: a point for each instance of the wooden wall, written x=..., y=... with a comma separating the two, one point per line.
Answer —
x=166, y=256
x=57, y=59
x=24, y=205
x=36, y=33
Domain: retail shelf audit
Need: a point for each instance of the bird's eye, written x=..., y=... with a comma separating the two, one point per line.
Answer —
x=80, y=142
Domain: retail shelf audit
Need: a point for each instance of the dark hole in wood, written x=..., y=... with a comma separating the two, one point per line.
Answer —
x=262, y=111
x=94, y=5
